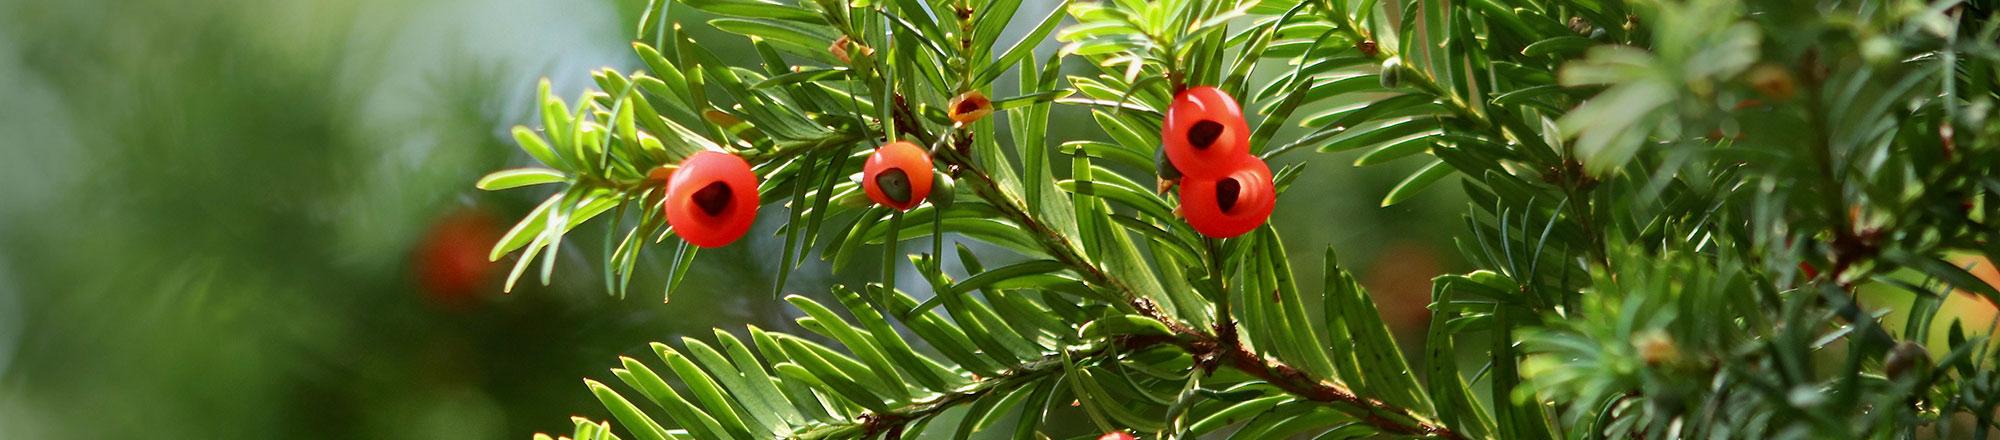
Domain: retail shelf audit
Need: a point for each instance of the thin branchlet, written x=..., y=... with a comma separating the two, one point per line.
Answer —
x=1203, y=344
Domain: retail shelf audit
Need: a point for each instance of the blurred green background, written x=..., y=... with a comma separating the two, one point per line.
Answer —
x=255, y=219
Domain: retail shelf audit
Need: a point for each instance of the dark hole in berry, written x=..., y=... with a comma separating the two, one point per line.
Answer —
x=894, y=184
x=1226, y=193
x=967, y=106
x=713, y=199
x=1204, y=133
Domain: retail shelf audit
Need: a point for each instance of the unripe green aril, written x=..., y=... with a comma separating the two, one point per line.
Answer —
x=1880, y=51
x=943, y=187
x=1392, y=72
x=1164, y=168
x=1906, y=359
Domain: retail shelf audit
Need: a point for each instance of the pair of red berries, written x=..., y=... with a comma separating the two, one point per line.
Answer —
x=1225, y=191
x=711, y=198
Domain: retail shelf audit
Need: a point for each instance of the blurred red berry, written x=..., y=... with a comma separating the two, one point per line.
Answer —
x=1230, y=204
x=451, y=263
x=1117, y=435
x=1204, y=132
x=711, y=199
x=898, y=175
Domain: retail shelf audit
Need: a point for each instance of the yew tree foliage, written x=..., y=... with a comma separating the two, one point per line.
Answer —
x=1675, y=206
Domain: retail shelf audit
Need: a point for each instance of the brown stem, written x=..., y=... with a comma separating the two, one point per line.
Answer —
x=894, y=421
x=1382, y=416
x=1197, y=342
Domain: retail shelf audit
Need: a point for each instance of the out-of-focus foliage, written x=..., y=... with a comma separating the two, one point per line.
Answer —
x=222, y=211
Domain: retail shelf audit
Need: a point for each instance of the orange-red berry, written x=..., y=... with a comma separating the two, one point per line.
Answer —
x=711, y=199
x=1204, y=132
x=1117, y=435
x=969, y=107
x=1230, y=204
x=898, y=175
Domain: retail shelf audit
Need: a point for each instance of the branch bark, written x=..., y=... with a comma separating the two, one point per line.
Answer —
x=1198, y=342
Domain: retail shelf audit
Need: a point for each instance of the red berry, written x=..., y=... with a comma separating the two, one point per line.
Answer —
x=451, y=258
x=1204, y=132
x=898, y=175
x=1117, y=435
x=1231, y=204
x=712, y=199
